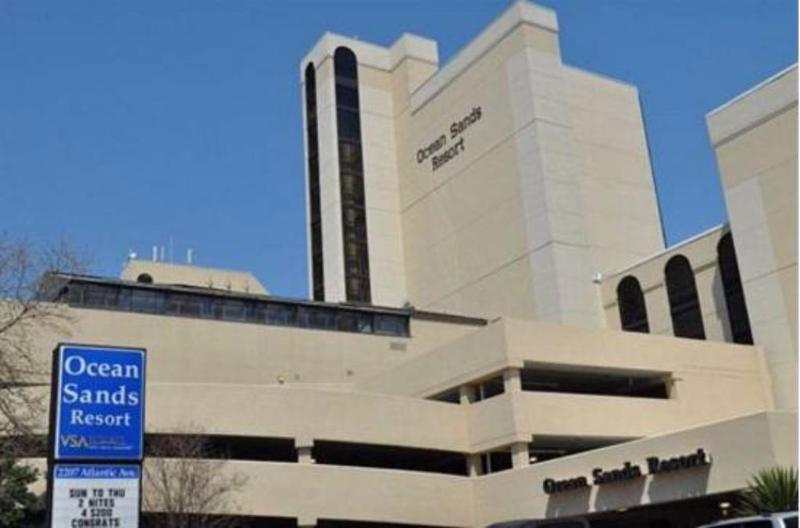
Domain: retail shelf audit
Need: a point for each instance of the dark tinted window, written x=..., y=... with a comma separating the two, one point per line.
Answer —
x=228, y=308
x=687, y=319
x=315, y=227
x=790, y=522
x=632, y=310
x=351, y=178
x=734, y=294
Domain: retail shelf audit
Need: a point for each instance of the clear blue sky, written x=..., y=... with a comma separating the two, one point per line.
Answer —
x=123, y=124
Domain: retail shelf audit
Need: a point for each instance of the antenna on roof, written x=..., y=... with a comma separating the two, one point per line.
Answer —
x=155, y=253
x=189, y=256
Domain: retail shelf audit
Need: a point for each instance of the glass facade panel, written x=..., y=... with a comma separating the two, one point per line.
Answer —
x=351, y=177
x=227, y=308
x=317, y=273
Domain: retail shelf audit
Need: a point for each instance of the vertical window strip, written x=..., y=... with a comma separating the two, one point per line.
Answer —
x=315, y=221
x=351, y=177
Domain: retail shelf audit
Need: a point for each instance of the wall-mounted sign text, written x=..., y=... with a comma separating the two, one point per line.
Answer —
x=95, y=496
x=628, y=471
x=450, y=144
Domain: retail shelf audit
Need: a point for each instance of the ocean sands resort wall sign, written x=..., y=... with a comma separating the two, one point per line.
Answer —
x=449, y=144
x=628, y=471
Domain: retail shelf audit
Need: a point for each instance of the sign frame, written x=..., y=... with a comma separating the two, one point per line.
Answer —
x=127, y=465
x=55, y=389
x=55, y=407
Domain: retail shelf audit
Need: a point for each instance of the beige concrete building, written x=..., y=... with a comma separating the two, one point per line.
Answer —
x=497, y=331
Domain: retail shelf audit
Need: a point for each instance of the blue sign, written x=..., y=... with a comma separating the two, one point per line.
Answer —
x=87, y=495
x=99, y=403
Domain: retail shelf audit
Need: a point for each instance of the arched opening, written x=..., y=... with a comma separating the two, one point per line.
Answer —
x=315, y=218
x=351, y=177
x=145, y=278
x=734, y=294
x=687, y=319
x=632, y=309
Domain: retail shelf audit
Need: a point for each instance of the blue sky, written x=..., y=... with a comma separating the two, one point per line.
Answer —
x=125, y=124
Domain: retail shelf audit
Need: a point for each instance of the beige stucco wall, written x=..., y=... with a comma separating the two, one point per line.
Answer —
x=755, y=141
x=189, y=275
x=311, y=492
x=307, y=415
x=739, y=447
x=617, y=190
x=183, y=349
x=710, y=381
x=519, y=221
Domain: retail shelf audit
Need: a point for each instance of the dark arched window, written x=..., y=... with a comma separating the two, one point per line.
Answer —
x=351, y=177
x=144, y=278
x=734, y=294
x=687, y=319
x=315, y=220
x=632, y=310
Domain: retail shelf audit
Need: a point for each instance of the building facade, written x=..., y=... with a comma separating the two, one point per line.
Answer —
x=496, y=331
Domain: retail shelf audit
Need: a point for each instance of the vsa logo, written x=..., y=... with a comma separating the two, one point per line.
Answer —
x=74, y=441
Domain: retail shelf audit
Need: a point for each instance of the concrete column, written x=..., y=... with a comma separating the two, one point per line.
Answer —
x=305, y=454
x=520, y=456
x=473, y=465
x=306, y=522
x=512, y=380
x=466, y=394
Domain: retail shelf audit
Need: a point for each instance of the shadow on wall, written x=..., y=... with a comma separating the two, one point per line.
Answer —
x=616, y=495
x=721, y=306
x=684, y=484
x=573, y=502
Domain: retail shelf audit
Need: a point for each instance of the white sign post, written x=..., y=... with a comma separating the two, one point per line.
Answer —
x=95, y=496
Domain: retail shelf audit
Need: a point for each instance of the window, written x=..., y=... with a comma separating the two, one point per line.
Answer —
x=734, y=294
x=495, y=461
x=630, y=384
x=390, y=325
x=351, y=177
x=195, y=304
x=687, y=319
x=632, y=310
x=145, y=278
x=315, y=228
x=489, y=388
x=281, y=315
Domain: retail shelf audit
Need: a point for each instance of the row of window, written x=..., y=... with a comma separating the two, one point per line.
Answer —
x=687, y=318
x=209, y=306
